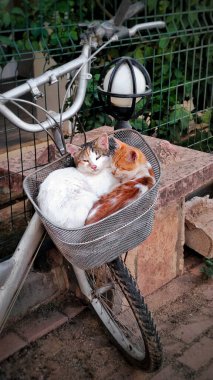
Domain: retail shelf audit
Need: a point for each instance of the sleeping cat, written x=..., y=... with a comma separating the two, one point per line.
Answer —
x=66, y=195
x=135, y=173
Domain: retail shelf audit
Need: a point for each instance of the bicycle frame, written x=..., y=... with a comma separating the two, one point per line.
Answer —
x=14, y=270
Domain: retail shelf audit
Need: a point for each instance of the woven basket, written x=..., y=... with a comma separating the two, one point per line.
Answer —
x=93, y=245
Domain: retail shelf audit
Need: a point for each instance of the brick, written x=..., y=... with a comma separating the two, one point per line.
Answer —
x=36, y=328
x=207, y=374
x=9, y=344
x=191, y=331
x=198, y=355
x=168, y=373
x=72, y=312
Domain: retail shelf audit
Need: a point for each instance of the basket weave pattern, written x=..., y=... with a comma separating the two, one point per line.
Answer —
x=93, y=245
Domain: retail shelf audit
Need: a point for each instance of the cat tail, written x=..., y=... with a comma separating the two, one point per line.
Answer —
x=118, y=198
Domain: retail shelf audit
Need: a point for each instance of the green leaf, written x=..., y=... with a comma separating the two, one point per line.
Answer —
x=164, y=42
x=188, y=89
x=164, y=4
x=6, y=41
x=152, y=4
x=54, y=39
x=36, y=30
x=178, y=74
x=74, y=35
x=138, y=54
x=193, y=18
x=206, y=116
x=17, y=11
x=165, y=69
x=6, y=19
x=180, y=116
x=148, y=51
x=3, y=4
x=175, y=134
x=20, y=45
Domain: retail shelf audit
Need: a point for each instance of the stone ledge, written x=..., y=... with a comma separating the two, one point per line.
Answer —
x=183, y=170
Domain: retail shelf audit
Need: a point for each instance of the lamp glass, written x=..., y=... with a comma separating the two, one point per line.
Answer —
x=123, y=84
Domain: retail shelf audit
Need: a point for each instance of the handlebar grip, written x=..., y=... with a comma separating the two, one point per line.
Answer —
x=125, y=33
x=146, y=25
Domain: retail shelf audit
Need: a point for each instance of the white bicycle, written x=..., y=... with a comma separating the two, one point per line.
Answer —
x=109, y=288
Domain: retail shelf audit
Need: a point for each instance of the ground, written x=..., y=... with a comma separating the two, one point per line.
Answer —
x=80, y=349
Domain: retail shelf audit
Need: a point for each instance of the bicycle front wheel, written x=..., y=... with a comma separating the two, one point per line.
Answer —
x=121, y=308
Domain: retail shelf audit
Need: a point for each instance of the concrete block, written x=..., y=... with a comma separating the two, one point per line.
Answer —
x=9, y=344
x=35, y=329
x=199, y=225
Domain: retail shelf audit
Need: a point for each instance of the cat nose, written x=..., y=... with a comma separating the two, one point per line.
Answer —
x=94, y=167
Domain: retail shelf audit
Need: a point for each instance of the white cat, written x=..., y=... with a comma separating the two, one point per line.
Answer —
x=67, y=195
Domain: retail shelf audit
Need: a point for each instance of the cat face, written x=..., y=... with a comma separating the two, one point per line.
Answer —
x=127, y=161
x=92, y=157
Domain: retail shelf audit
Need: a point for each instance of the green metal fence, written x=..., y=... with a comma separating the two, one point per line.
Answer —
x=37, y=34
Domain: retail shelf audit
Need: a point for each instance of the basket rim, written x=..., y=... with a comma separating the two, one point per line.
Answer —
x=84, y=228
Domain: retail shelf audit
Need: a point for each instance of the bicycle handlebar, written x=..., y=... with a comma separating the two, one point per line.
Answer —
x=51, y=76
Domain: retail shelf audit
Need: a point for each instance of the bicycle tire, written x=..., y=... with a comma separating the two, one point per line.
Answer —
x=129, y=319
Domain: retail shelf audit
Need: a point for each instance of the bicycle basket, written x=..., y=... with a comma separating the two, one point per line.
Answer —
x=93, y=245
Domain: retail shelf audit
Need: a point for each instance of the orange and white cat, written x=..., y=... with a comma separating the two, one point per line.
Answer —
x=134, y=172
x=66, y=195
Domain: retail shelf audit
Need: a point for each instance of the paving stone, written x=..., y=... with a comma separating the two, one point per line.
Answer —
x=170, y=292
x=208, y=292
x=36, y=328
x=9, y=344
x=198, y=355
x=191, y=331
x=168, y=373
x=174, y=348
x=139, y=375
x=207, y=374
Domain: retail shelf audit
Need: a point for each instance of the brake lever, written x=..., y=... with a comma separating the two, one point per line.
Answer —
x=134, y=9
x=127, y=10
x=120, y=15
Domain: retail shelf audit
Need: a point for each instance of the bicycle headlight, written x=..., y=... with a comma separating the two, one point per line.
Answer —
x=123, y=83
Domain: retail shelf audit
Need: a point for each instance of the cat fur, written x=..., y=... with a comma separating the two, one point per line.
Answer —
x=135, y=173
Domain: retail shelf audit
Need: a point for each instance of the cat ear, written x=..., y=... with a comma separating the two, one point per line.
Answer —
x=103, y=141
x=73, y=149
x=133, y=155
x=113, y=143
